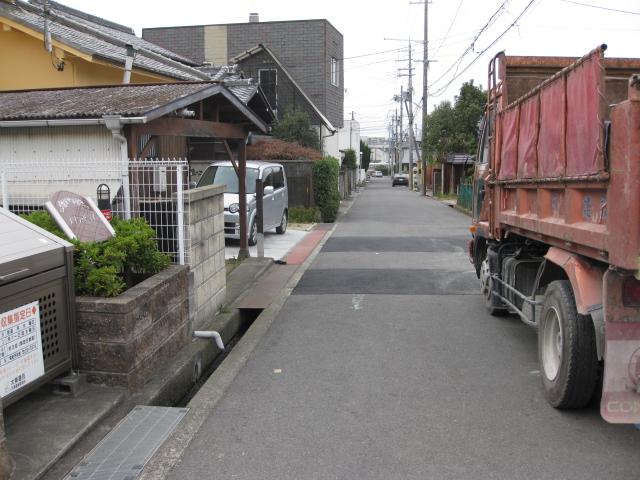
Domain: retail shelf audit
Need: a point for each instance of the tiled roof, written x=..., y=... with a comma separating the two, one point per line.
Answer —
x=101, y=40
x=95, y=102
x=110, y=29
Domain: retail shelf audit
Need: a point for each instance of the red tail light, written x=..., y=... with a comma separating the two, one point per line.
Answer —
x=631, y=292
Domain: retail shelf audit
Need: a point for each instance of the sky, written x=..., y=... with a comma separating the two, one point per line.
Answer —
x=377, y=35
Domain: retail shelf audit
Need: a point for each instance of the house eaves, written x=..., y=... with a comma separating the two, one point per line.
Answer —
x=92, y=43
x=263, y=48
x=87, y=105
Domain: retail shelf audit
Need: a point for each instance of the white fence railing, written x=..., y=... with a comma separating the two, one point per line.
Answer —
x=152, y=189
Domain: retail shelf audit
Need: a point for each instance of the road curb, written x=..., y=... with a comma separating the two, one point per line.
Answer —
x=203, y=403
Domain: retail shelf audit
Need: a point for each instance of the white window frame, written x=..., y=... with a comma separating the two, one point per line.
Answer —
x=335, y=72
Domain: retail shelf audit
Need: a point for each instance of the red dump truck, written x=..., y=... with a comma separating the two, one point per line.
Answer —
x=556, y=220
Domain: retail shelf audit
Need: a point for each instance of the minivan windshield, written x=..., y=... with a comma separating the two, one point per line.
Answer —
x=226, y=175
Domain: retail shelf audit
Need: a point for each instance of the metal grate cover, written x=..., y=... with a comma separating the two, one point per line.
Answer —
x=123, y=453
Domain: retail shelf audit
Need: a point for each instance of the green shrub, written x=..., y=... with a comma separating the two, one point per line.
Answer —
x=42, y=219
x=350, y=159
x=295, y=126
x=106, y=269
x=305, y=215
x=326, y=173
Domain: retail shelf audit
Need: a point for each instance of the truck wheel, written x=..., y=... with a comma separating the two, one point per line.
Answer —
x=566, y=349
x=493, y=304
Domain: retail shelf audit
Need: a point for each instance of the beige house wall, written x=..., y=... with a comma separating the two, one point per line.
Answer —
x=215, y=44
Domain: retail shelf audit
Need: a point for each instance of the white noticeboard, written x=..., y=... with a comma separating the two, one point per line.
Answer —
x=20, y=348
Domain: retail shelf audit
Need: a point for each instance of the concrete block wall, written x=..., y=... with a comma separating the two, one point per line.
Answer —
x=207, y=276
x=122, y=340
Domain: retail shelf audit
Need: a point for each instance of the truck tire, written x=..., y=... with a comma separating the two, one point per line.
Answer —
x=493, y=304
x=566, y=350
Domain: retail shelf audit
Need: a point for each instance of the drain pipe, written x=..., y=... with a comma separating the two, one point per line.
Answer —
x=128, y=63
x=210, y=334
x=113, y=123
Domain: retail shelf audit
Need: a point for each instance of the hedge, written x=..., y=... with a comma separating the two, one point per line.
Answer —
x=326, y=175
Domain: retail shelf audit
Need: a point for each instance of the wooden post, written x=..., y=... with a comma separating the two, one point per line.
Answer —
x=242, y=193
x=260, y=216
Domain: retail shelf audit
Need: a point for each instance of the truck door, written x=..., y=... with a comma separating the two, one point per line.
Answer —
x=480, y=173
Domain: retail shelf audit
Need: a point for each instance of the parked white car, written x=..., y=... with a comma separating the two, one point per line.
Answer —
x=275, y=202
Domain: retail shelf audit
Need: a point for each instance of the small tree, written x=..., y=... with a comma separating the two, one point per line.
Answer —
x=350, y=159
x=366, y=155
x=295, y=126
x=453, y=128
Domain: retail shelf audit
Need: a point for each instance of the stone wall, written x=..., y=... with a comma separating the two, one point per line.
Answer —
x=207, y=277
x=122, y=340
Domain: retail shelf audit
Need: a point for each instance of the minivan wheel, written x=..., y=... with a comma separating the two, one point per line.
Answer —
x=566, y=349
x=283, y=223
x=253, y=234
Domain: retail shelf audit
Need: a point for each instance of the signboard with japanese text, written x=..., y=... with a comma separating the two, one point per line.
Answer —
x=79, y=217
x=21, y=359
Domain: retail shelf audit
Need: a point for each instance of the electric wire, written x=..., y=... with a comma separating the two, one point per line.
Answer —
x=471, y=46
x=601, y=8
x=440, y=90
x=446, y=35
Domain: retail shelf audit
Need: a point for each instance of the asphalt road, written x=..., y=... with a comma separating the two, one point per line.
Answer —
x=384, y=365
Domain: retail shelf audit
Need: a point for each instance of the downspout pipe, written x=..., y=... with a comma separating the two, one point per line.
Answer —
x=128, y=63
x=210, y=334
x=115, y=124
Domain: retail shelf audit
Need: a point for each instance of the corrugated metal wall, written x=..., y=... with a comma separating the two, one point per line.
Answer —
x=40, y=160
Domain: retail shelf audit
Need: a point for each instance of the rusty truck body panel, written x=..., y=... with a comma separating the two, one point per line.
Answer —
x=557, y=198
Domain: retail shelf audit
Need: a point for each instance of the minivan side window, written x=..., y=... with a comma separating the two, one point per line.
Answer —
x=267, y=177
x=278, y=178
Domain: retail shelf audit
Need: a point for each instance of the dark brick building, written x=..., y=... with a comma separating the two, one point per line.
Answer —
x=311, y=51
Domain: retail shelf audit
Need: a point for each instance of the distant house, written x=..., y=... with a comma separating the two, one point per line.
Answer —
x=299, y=64
x=310, y=50
x=78, y=50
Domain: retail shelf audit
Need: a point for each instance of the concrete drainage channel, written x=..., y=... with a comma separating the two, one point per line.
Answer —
x=124, y=451
x=201, y=373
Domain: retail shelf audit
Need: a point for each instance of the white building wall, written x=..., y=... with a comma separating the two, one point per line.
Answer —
x=39, y=161
x=346, y=137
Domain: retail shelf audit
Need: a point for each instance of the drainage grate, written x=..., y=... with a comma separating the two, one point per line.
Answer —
x=123, y=453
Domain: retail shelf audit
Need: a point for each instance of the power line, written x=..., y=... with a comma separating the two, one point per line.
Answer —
x=375, y=53
x=471, y=46
x=446, y=35
x=601, y=8
x=442, y=89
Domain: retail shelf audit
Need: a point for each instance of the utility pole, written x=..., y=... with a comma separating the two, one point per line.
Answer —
x=401, y=132
x=425, y=93
x=409, y=106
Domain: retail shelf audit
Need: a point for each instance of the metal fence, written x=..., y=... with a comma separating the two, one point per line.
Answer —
x=151, y=189
x=465, y=195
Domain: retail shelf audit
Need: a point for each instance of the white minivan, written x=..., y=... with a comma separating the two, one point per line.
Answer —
x=275, y=202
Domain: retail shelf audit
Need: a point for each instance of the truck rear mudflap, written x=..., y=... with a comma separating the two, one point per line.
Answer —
x=621, y=383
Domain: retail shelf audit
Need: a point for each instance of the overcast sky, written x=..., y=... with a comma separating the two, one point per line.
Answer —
x=548, y=27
